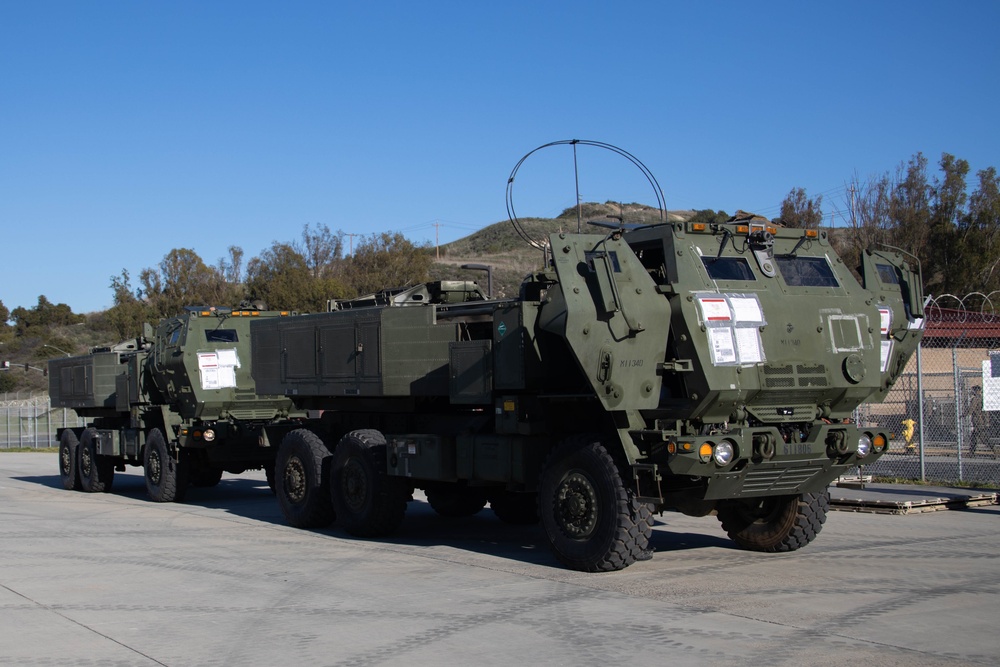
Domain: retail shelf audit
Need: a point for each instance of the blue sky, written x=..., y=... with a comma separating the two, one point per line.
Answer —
x=131, y=128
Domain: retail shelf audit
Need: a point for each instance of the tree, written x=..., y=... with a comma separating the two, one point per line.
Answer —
x=44, y=314
x=709, y=216
x=799, y=211
x=322, y=250
x=948, y=200
x=386, y=260
x=909, y=208
x=281, y=277
x=230, y=272
x=183, y=280
x=128, y=313
x=4, y=317
x=868, y=217
x=979, y=236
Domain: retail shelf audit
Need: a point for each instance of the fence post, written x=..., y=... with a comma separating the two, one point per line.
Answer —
x=959, y=408
x=920, y=413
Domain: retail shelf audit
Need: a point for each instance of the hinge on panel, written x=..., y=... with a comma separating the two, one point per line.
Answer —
x=676, y=365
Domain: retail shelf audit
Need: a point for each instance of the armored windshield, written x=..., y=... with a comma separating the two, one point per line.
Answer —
x=728, y=268
x=221, y=336
x=887, y=274
x=806, y=272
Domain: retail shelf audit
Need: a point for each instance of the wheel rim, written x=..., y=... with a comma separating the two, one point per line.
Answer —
x=155, y=467
x=86, y=462
x=295, y=480
x=65, y=460
x=576, y=506
x=354, y=485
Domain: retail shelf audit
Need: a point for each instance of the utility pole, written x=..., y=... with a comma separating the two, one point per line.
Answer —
x=352, y=243
x=854, y=220
x=576, y=179
x=437, y=248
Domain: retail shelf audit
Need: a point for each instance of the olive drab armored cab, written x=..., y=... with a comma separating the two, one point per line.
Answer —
x=179, y=401
x=685, y=366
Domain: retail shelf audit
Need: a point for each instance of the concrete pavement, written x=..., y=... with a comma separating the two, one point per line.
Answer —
x=115, y=579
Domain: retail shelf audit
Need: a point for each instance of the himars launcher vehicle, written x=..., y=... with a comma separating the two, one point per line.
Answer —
x=180, y=402
x=679, y=366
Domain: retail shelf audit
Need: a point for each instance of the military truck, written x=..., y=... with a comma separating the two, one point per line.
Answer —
x=179, y=401
x=703, y=368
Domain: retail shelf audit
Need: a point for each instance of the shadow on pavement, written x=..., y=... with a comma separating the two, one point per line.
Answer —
x=482, y=533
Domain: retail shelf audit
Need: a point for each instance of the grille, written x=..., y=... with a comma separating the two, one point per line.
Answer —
x=777, y=481
x=790, y=376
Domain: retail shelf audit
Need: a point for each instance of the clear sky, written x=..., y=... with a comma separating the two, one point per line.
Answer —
x=131, y=128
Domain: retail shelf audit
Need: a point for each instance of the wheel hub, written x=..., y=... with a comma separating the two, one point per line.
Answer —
x=295, y=480
x=576, y=506
x=85, y=462
x=155, y=467
x=355, y=485
x=65, y=460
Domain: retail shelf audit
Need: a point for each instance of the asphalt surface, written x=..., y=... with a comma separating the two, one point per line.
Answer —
x=115, y=579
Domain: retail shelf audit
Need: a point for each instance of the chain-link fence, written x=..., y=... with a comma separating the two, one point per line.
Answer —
x=30, y=422
x=945, y=409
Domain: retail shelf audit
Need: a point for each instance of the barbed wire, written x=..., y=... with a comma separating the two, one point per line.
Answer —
x=963, y=307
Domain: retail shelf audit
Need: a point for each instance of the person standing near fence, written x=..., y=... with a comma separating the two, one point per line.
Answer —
x=980, y=421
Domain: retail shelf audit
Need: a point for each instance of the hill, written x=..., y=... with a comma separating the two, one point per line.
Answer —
x=499, y=245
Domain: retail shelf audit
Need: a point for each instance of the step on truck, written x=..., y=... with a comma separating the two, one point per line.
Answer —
x=179, y=401
x=703, y=368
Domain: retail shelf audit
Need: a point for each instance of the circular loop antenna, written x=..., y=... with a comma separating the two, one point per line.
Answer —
x=519, y=228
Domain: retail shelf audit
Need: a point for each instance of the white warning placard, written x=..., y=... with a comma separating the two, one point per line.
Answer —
x=885, y=320
x=723, y=345
x=886, y=354
x=218, y=368
x=715, y=309
x=748, y=345
x=747, y=310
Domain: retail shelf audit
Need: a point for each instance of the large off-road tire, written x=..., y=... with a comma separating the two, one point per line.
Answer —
x=592, y=521
x=97, y=472
x=166, y=478
x=456, y=502
x=301, y=480
x=369, y=502
x=515, y=508
x=68, y=444
x=775, y=523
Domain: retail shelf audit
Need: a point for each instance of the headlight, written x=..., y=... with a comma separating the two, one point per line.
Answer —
x=864, y=446
x=209, y=435
x=724, y=452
